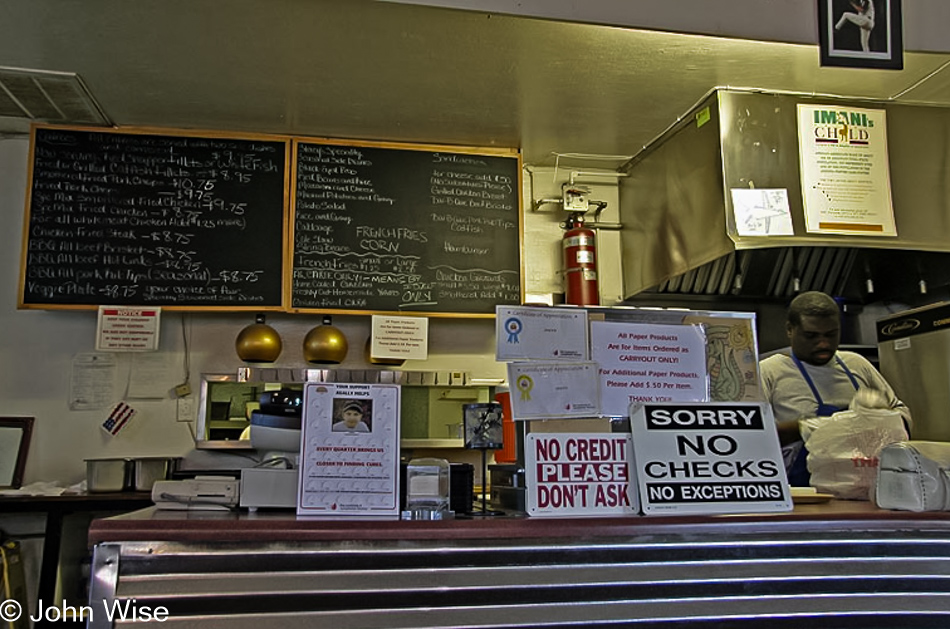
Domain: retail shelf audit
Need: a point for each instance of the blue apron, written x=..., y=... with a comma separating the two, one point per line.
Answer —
x=798, y=475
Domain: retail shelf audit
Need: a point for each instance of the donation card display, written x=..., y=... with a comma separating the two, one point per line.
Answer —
x=642, y=362
x=580, y=475
x=540, y=334
x=846, y=184
x=349, y=459
x=553, y=390
x=718, y=457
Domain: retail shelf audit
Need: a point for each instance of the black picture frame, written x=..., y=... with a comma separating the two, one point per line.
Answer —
x=854, y=46
x=18, y=430
x=483, y=426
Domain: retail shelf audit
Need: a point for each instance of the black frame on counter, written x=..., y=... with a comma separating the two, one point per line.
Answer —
x=19, y=443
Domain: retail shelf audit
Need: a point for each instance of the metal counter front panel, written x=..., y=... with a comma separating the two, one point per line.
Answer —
x=844, y=564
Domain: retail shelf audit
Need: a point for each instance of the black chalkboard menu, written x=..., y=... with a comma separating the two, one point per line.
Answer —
x=133, y=218
x=394, y=228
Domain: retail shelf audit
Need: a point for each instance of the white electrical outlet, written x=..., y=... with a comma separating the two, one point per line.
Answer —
x=186, y=409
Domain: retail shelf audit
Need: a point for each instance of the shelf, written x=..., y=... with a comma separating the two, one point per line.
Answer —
x=229, y=424
x=432, y=443
x=220, y=444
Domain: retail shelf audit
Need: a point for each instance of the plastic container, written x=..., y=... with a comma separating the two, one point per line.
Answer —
x=107, y=475
x=147, y=470
x=509, y=450
x=427, y=490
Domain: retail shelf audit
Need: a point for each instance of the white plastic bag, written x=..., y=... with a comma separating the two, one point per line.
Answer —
x=843, y=449
x=914, y=476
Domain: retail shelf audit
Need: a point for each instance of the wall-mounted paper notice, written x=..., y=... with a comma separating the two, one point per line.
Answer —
x=641, y=362
x=540, y=334
x=124, y=329
x=404, y=338
x=762, y=212
x=553, y=390
x=846, y=184
x=92, y=382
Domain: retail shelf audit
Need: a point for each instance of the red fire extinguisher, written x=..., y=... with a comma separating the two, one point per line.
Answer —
x=580, y=263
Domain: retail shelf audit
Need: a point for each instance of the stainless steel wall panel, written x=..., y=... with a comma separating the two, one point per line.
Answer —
x=676, y=205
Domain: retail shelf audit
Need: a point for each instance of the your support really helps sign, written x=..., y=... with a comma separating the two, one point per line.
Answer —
x=708, y=458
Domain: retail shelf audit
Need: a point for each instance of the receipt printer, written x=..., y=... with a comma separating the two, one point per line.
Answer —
x=202, y=493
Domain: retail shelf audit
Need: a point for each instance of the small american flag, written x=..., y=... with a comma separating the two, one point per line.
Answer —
x=118, y=418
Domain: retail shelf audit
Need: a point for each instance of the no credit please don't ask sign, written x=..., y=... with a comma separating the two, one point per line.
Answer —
x=579, y=474
x=716, y=457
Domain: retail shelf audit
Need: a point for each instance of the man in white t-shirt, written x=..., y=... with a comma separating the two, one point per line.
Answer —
x=814, y=379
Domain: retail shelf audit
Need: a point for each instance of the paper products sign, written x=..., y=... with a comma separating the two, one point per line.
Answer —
x=708, y=458
x=540, y=334
x=648, y=363
x=350, y=451
x=405, y=338
x=579, y=474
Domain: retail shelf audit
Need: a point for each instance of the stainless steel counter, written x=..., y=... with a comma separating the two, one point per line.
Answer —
x=842, y=564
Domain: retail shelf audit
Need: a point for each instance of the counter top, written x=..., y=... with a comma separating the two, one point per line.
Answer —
x=105, y=501
x=152, y=524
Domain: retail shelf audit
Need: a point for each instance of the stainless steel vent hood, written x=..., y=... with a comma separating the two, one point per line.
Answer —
x=679, y=236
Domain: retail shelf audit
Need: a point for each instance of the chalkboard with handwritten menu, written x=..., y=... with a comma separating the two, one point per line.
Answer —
x=399, y=228
x=132, y=218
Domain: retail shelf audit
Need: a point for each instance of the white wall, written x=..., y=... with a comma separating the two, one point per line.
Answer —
x=38, y=347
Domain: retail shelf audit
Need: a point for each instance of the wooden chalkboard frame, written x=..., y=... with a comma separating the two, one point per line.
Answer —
x=474, y=152
x=192, y=134
x=287, y=212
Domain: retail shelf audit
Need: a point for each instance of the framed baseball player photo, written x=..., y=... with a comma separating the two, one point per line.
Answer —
x=861, y=33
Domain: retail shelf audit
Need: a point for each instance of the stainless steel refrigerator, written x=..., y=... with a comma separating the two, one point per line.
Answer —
x=914, y=352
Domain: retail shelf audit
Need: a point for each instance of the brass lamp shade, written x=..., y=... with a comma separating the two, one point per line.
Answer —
x=258, y=343
x=325, y=344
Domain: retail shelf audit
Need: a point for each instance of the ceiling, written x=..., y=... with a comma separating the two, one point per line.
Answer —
x=389, y=71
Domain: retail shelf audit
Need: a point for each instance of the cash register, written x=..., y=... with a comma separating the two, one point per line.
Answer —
x=275, y=434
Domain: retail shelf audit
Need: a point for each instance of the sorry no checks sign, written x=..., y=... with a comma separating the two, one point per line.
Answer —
x=708, y=458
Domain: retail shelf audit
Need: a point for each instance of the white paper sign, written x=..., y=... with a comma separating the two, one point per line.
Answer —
x=553, y=390
x=642, y=362
x=122, y=329
x=349, y=463
x=720, y=457
x=540, y=334
x=846, y=185
x=762, y=212
x=580, y=474
x=400, y=337
x=92, y=381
